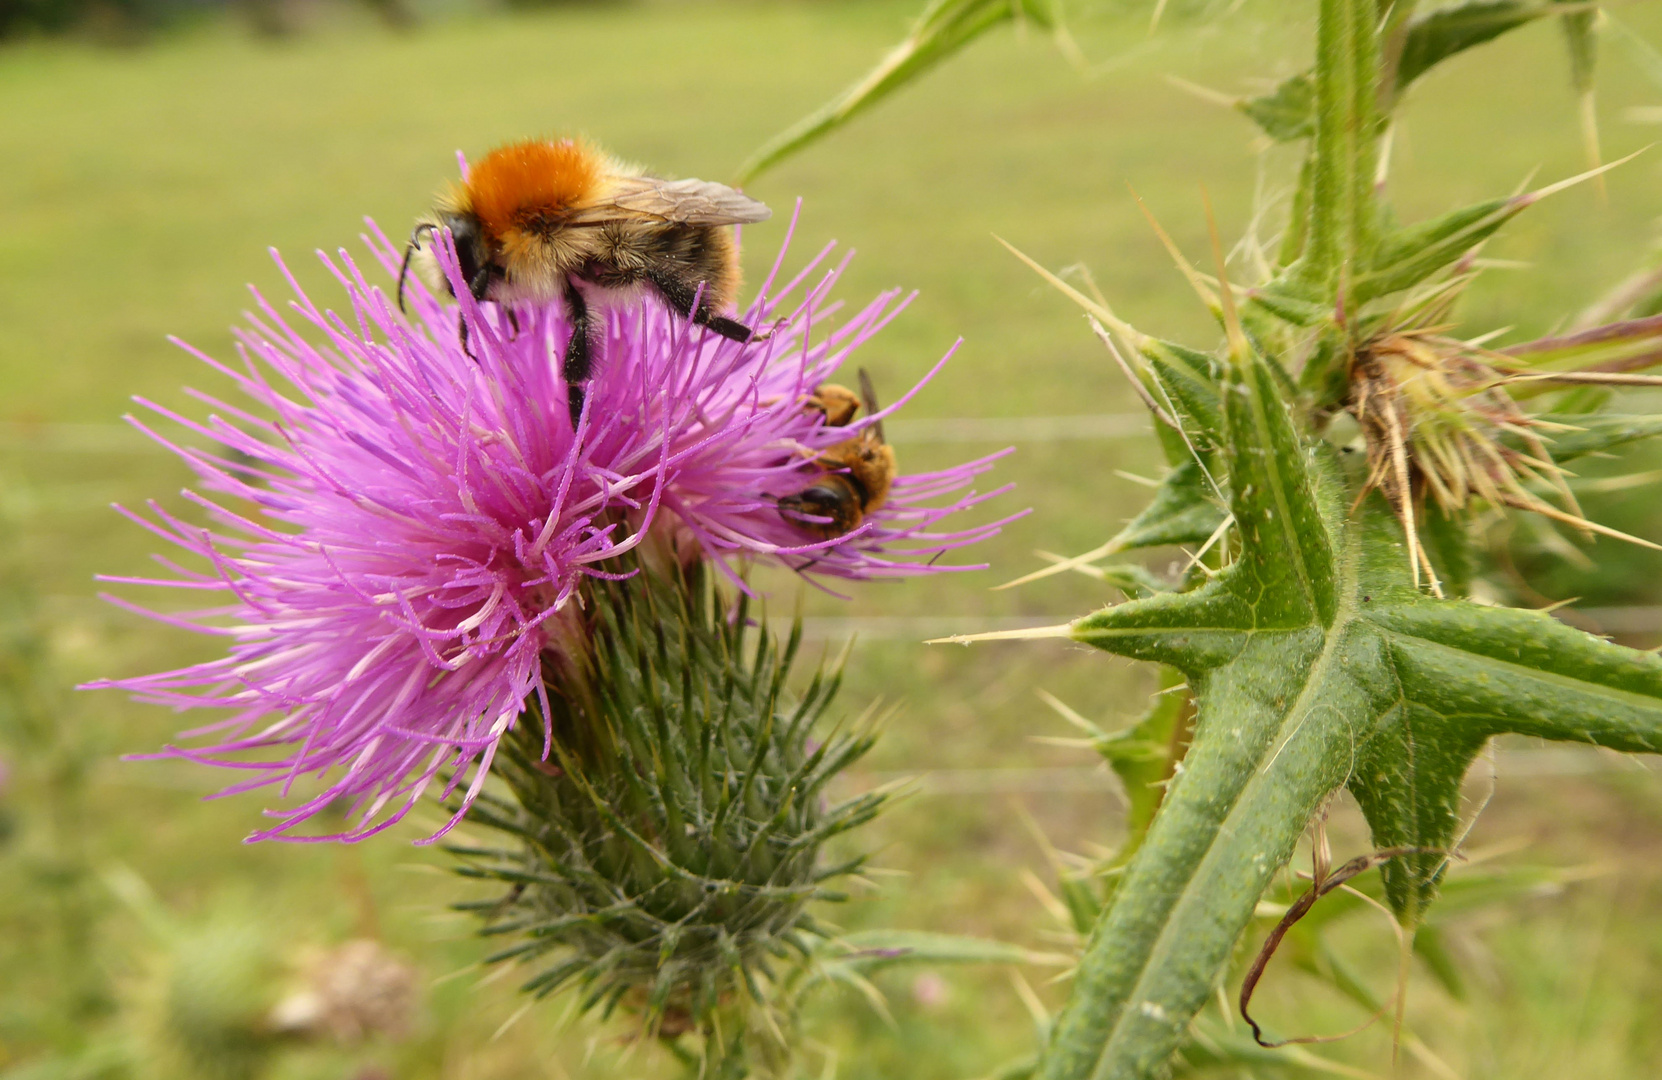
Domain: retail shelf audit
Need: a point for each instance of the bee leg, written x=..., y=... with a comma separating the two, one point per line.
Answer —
x=420, y=232
x=513, y=321
x=679, y=294
x=731, y=329
x=576, y=367
x=477, y=286
x=461, y=336
x=770, y=331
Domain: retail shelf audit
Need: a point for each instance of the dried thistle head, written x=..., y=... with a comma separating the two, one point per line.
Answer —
x=1438, y=421
x=354, y=991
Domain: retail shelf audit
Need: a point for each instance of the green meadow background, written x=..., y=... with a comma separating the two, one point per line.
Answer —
x=142, y=185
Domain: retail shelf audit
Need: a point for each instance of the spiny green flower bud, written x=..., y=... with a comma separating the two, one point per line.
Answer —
x=206, y=1014
x=668, y=816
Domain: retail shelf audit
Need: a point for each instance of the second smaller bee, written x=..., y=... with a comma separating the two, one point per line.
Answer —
x=855, y=474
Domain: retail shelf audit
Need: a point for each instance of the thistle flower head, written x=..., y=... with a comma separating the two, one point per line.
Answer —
x=397, y=519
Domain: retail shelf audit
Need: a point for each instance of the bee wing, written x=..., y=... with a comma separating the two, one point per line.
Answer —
x=868, y=394
x=688, y=202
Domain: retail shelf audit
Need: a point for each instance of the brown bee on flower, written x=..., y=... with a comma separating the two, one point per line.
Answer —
x=854, y=475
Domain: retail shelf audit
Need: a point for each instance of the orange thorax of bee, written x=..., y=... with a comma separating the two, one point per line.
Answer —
x=838, y=404
x=526, y=184
x=870, y=463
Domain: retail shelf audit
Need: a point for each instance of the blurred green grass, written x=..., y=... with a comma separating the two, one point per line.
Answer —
x=144, y=185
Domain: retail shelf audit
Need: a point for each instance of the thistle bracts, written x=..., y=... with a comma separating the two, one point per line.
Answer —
x=1439, y=424
x=664, y=822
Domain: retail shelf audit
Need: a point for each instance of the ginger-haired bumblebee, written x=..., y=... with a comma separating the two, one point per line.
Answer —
x=837, y=404
x=546, y=221
x=855, y=474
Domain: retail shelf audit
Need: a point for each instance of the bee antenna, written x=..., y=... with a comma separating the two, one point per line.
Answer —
x=869, y=396
x=409, y=250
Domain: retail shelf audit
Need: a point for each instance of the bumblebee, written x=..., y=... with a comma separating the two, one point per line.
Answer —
x=855, y=475
x=837, y=404
x=545, y=221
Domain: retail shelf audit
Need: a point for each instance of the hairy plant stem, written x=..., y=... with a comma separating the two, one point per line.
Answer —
x=1229, y=821
x=1275, y=735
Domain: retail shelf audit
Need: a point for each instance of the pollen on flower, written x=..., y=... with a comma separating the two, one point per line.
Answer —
x=396, y=530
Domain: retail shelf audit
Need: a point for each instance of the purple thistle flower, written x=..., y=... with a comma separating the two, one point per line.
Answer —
x=423, y=512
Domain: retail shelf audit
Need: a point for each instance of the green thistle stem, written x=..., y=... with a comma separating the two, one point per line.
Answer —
x=1251, y=781
x=1344, y=151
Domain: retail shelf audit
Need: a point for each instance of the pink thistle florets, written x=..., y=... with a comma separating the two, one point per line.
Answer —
x=401, y=516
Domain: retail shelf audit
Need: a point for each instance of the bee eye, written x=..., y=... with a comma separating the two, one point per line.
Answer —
x=823, y=496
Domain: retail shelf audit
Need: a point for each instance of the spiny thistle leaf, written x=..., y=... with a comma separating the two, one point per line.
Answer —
x=871, y=950
x=1598, y=433
x=1184, y=510
x=1288, y=113
x=1144, y=756
x=1315, y=663
x=944, y=28
x=1188, y=380
x=1445, y=32
x=1287, y=299
x=1409, y=255
x=1129, y=578
x=1390, y=692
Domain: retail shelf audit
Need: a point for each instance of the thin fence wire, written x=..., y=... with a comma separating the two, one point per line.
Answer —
x=62, y=438
x=1510, y=763
x=1618, y=621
